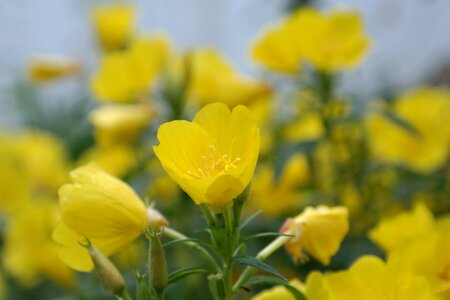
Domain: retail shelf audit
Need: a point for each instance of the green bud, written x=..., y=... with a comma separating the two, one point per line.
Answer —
x=111, y=278
x=157, y=265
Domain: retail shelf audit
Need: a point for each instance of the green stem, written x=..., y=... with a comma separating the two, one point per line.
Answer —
x=173, y=234
x=261, y=256
x=228, y=259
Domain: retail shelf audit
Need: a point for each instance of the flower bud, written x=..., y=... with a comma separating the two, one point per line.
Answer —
x=157, y=265
x=111, y=278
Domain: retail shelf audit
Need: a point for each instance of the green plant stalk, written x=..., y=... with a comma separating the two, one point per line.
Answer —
x=228, y=259
x=173, y=234
x=262, y=255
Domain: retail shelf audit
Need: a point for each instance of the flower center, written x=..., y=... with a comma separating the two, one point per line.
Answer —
x=215, y=163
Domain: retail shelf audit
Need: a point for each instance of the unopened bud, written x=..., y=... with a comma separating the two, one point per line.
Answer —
x=111, y=278
x=157, y=265
x=156, y=219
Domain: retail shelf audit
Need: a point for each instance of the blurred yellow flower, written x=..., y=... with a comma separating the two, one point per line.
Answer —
x=126, y=76
x=369, y=278
x=318, y=231
x=115, y=160
x=280, y=292
x=394, y=232
x=427, y=110
x=98, y=207
x=214, y=79
x=213, y=157
x=276, y=196
x=307, y=127
x=29, y=252
x=114, y=24
x=42, y=159
x=120, y=124
x=331, y=41
x=45, y=67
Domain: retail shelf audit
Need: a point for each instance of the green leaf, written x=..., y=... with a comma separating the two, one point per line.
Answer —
x=275, y=281
x=250, y=219
x=255, y=263
x=180, y=274
x=181, y=241
x=264, y=234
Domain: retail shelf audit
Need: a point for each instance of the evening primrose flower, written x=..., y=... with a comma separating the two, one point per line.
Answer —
x=45, y=67
x=371, y=277
x=422, y=149
x=275, y=196
x=29, y=253
x=280, y=292
x=213, y=157
x=213, y=79
x=98, y=207
x=114, y=24
x=318, y=231
x=120, y=124
x=125, y=76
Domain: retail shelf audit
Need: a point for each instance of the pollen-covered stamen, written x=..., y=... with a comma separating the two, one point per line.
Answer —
x=215, y=163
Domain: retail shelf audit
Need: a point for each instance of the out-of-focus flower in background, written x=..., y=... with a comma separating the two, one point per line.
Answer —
x=46, y=68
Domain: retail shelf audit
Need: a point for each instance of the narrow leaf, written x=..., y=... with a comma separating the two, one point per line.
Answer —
x=180, y=274
x=264, y=234
x=253, y=262
x=180, y=241
x=250, y=219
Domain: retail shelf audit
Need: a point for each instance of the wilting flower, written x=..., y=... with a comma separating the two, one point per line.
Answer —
x=29, y=253
x=277, y=195
x=422, y=144
x=280, y=292
x=371, y=277
x=114, y=24
x=119, y=124
x=127, y=75
x=44, y=68
x=331, y=41
x=318, y=231
x=213, y=79
x=98, y=207
x=213, y=157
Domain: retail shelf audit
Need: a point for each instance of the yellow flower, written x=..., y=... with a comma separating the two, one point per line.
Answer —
x=126, y=76
x=114, y=24
x=308, y=127
x=98, y=207
x=215, y=80
x=46, y=165
x=427, y=110
x=280, y=292
x=116, y=160
x=44, y=68
x=213, y=157
x=334, y=41
x=119, y=124
x=275, y=196
x=331, y=41
x=319, y=231
x=369, y=278
x=29, y=252
x=394, y=232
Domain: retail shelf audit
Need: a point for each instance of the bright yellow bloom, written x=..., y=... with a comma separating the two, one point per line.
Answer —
x=319, y=231
x=127, y=75
x=116, y=160
x=215, y=80
x=98, y=207
x=427, y=110
x=280, y=292
x=369, y=278
x=275, y=196
x=44, y=68
x=213, y=157
x=29, y=252
x=46, y=165
x=331, y=41
x=308, y=127
x=114, y=24
x=119, y=124
x=394, y=232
